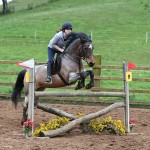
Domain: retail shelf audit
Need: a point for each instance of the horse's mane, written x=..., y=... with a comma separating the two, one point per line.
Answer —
x=77, y=35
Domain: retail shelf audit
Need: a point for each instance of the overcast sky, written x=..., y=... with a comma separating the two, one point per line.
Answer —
x=7, y=1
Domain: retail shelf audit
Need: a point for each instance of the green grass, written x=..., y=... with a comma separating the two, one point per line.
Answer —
x=118, y=28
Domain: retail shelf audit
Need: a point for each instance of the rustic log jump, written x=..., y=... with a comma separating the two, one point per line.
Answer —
x=55, y=111
x=125, y=104
x=72, y=124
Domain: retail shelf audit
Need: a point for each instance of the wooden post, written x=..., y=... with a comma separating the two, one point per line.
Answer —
x=30, y=64
x=126, y=90
x=97, y=71
x=31, y=97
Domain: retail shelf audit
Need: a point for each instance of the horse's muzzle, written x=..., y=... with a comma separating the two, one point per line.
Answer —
x=90, y=61
x=91, y=64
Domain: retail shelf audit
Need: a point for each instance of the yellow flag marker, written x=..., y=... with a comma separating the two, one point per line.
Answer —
x=27, y=75
x=128, y=76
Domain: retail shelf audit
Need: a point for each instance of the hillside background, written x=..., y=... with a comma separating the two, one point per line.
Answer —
x=118, y=27
x=120, y=30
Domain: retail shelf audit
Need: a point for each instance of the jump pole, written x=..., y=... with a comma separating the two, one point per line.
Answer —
x=126, y=100
x=83, y=94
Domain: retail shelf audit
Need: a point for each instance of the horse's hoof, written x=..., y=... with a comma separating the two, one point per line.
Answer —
x=24, y=119
x=89, y=86
x=79, y=87
x=35, y=104
x=22, y=122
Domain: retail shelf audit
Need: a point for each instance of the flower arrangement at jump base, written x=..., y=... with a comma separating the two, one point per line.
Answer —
x=131, y=122
x=105, y=126
x=95, y=126
x=27, y=127
x=51, y=125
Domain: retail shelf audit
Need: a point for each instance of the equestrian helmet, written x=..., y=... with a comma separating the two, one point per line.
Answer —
x=67, y=25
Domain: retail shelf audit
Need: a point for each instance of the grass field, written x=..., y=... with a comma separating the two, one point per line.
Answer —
x=118, y=31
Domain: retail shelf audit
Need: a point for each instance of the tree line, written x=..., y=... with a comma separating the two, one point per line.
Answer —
x=5, y=7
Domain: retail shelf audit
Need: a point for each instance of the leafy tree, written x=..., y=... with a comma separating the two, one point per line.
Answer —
x=5, y=6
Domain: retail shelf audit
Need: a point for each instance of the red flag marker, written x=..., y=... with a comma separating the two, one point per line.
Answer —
x=131, y=66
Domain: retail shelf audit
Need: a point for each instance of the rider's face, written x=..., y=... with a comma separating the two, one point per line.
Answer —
x=68, y=31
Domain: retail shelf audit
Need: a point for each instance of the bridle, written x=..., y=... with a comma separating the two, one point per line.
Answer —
x=82, y=51
x=82, y=54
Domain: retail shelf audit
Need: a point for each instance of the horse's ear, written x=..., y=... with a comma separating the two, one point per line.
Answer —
x=71, y=37
x=90, y=37
x=74, y=34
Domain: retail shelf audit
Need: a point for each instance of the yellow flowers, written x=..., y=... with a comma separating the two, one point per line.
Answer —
x=51, y=125
x=106, y=126
x=79, y=115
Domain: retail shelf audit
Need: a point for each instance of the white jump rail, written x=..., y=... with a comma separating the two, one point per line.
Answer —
x=84, y=94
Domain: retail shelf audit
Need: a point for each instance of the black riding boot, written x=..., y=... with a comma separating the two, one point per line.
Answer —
x=49, y=79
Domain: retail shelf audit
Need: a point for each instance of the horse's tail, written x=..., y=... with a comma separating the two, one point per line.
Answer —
x=16, y=93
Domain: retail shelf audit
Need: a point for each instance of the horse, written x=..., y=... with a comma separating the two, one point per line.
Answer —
x=67, y=70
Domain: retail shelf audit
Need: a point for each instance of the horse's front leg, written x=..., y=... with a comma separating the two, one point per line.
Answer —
x=25, y=108
x=81, y=82
x=91, y=84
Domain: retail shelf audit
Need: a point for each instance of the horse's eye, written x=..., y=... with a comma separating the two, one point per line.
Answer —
x=86, y=48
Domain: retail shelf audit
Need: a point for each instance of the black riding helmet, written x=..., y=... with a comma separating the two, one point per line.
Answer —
x=67, y=25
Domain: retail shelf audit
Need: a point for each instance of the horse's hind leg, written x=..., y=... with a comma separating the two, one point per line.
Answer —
x=25, y=108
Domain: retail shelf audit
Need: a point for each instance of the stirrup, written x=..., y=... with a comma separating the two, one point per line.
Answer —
x=48, y=80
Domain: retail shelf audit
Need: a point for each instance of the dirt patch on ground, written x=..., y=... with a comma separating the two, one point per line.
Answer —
x=12, y=138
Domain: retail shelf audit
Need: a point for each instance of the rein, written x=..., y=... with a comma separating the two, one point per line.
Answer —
x=73, y=57
x=78, y=58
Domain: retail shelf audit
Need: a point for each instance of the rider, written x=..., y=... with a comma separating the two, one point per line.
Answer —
x=56, y=45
